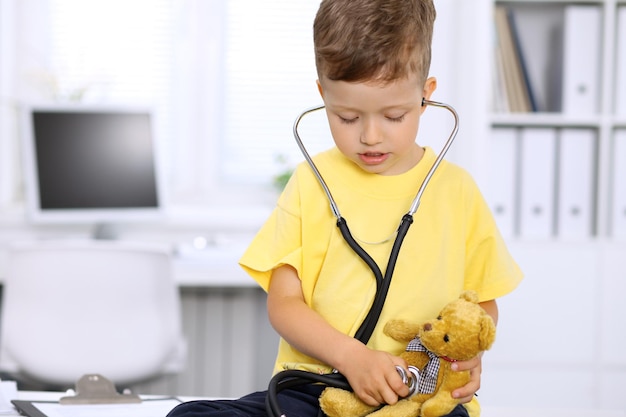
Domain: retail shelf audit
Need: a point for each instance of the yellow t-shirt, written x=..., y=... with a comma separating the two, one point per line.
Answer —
x=452, y=245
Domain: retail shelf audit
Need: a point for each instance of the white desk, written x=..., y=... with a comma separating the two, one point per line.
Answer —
x=548, y=412
x=211, y=273
x=487, y=411
x=212, y=267
x=215, y=266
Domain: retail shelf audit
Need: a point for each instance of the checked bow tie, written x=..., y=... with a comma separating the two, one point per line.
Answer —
x=428, y=376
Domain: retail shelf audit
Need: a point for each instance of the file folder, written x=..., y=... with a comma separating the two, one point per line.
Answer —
x=500, y=192
x=537, y=186
x=620, y=63
x=618, y=179
x=575, y=183
x=581, y=59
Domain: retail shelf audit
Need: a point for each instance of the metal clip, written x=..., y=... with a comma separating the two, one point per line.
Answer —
x=96, y=389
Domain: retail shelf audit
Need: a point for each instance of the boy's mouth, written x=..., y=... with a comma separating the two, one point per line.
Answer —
x=373, y=158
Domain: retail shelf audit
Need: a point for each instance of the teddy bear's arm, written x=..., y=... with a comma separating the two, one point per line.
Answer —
x=336, y=402
x=442, y=402
x=401, y=330
x=403, y=408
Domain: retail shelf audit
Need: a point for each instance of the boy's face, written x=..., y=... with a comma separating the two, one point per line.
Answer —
x=374, y=124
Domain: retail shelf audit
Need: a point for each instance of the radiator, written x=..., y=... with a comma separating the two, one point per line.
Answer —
x=231, y=345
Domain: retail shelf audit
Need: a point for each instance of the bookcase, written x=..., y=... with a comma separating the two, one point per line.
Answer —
x=564, y=144
x=556, y=183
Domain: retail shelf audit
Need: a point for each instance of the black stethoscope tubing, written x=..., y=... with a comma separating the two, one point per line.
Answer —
x=292, y=378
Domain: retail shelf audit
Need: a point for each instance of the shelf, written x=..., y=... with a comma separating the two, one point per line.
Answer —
x=543, y=120
x=555, y=120
x=552, y=2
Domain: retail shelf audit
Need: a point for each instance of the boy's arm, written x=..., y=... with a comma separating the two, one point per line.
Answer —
x=491, y=307
x=466, y=393
x=371, y=374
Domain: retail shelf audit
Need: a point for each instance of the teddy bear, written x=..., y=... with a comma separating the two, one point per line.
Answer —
x=460, y=332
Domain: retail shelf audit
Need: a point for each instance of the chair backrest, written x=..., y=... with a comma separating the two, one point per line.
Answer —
x=72, y=308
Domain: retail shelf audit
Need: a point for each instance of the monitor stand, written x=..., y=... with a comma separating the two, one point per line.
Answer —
x=105, y=231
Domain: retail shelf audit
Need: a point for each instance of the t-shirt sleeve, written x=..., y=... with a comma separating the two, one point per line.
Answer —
x=278, y=242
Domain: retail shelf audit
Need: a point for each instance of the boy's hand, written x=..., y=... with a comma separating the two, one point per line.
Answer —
x=466, y=392
x=373, y=376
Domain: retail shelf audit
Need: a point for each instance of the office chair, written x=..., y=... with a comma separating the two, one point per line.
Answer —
x=73, y=308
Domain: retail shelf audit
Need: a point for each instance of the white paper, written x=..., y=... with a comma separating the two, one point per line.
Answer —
x=147, y=408
x=8, y=392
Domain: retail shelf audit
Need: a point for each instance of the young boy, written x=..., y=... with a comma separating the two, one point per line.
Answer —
x=373, y=59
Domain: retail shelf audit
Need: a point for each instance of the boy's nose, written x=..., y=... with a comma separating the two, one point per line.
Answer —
x=371, y=134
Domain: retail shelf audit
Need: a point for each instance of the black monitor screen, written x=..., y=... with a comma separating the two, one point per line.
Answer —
x=94, y=160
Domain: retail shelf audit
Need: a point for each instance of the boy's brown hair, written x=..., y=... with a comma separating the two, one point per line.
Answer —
x=382, y=40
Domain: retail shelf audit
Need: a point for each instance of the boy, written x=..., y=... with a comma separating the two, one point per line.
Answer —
x=373, y=59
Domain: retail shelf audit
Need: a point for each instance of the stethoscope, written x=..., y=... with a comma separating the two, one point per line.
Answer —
x=292, y=378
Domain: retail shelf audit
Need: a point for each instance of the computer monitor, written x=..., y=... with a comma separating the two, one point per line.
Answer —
x=86, y=164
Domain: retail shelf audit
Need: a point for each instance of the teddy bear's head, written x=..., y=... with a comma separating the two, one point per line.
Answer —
x=461, y=330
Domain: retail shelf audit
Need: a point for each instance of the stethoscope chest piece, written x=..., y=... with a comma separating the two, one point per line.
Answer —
x=410, y=379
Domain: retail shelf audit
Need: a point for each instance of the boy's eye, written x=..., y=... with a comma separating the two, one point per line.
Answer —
x=348, y=120
x=396, y=119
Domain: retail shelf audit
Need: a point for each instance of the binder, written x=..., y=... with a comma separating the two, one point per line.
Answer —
x=500, y=192
x=512, y=72
x=620, y=63
x=537, y=182
x=581, y=59
x=618, y=179
x=575, y=183
x=529, y=96
x=500, y=96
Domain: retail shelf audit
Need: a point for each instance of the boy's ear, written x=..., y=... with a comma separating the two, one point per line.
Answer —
x=429, y=87
x=319, y=88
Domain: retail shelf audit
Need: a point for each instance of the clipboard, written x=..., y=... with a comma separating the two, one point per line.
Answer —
x=158, y=407
x=96, y=396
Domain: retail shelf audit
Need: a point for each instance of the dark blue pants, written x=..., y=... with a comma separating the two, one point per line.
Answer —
x=296, y=402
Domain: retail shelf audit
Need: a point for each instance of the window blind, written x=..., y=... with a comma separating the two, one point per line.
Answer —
x=270, y=78
x=111, y=50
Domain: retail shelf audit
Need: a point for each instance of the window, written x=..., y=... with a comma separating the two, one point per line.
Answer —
x=270, y=78
x=227, y=80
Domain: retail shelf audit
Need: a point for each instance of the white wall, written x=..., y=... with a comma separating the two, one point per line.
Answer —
x=561, y=336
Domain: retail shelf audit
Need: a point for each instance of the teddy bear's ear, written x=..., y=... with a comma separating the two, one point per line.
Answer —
x=487, y=333
x=471, y=296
